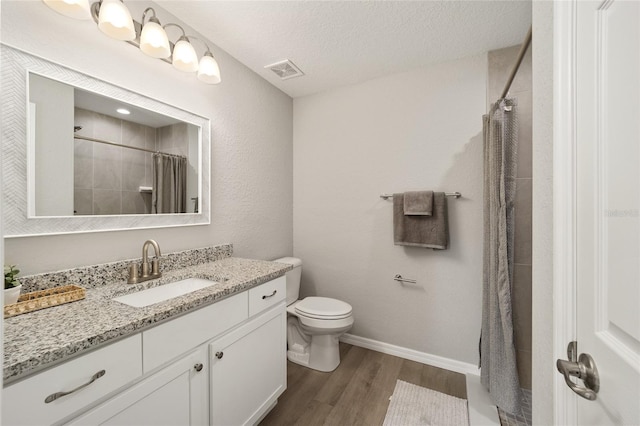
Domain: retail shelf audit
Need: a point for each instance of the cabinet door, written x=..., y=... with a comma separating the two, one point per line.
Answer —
x=248, y=369
x=176, y=395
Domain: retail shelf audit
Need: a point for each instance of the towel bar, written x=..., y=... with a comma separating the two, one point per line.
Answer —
x=448, y=194
x=399, y=278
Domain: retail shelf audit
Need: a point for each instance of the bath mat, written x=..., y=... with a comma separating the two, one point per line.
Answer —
x=415, y=405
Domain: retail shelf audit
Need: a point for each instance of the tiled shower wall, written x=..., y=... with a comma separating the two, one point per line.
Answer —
x=500, y=65
x=107, y=178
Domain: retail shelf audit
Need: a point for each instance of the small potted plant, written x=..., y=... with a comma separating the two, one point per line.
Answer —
x=12, y=286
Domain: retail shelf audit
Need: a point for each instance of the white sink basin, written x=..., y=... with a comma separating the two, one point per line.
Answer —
x=164, y=292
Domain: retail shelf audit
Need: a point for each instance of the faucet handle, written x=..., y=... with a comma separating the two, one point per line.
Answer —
x=133, y=273
x=155, y=267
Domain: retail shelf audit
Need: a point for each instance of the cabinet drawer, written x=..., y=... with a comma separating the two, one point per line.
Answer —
x=266, y=295
x=166, y=341
x=24, y=402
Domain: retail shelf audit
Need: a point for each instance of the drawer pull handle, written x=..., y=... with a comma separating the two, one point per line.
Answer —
x=57, y=395
x=198, y=367
x=271, y=295
x=219, y=355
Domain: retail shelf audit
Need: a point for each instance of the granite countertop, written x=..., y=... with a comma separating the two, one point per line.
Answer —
x=43, y=338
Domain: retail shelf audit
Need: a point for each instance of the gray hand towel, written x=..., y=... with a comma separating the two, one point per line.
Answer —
x=421, y=231
x=418, y=203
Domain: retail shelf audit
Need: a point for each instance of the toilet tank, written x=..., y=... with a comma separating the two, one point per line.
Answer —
x=293, y=278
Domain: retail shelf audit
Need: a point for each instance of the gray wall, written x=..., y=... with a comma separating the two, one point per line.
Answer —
x=251, y=159
x=500, y=64
x=411, y=131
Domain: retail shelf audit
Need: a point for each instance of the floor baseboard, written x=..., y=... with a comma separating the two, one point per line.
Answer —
x=410, y=354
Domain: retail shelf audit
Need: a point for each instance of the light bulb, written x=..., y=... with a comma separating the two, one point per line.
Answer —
x=184, y=56
x=154, y=41
x=76, y=9
x=115, y=20
x=208, y=70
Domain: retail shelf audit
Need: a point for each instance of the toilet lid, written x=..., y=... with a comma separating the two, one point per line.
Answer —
x=323, y=308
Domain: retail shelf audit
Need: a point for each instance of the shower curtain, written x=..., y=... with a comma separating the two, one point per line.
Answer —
x=499, y=373
x=169, y=194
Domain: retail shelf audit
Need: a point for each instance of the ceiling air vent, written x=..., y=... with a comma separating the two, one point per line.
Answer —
x=285, y=69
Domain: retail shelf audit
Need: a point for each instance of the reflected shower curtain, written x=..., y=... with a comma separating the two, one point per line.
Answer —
x=499, y=373
x=169, y=193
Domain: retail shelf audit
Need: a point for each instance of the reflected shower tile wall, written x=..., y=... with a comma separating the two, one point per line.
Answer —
x=152, y=144
x=107, y=167
x=133, y=202
x=174, y=139
x=133, y=134
x=83, y=201
x=113, y=175
x=82, y=164
x=107, y=201
x=133, y=169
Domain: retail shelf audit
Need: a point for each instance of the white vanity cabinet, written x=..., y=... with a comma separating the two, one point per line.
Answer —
x=170, y=374
x=176, y=395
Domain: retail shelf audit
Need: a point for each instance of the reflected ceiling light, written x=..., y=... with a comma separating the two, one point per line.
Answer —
x=114, y=19
x=153, y=38
x=123, y=111
x=76, y=9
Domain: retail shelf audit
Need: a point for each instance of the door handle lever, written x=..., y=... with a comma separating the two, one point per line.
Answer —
x=584, y=369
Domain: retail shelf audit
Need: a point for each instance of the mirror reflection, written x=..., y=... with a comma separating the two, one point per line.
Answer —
x=93, y=155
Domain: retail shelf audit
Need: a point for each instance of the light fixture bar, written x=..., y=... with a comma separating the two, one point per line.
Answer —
x=118, y=24
x=95, y=10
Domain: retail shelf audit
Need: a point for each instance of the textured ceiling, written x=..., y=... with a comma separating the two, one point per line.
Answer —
x=338, y=43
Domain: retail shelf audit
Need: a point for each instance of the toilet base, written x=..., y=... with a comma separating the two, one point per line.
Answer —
x=323, y=354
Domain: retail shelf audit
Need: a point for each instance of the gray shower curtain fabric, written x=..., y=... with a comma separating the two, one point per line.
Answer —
x=499, y=373
x=169, y=194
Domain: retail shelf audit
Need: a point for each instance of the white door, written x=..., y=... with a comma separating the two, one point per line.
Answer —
x=608, y=203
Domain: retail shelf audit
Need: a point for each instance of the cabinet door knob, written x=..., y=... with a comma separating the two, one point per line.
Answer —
x=219, y=355
x=198, y=367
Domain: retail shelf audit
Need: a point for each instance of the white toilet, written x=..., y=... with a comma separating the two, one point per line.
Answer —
x=314, y=324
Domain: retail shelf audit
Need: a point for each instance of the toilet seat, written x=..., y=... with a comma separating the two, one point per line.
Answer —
x=323, y=308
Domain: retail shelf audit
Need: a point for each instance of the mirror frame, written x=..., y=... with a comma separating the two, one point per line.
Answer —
x=16, y=66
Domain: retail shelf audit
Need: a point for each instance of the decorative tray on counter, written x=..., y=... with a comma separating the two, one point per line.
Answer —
x=42, y=299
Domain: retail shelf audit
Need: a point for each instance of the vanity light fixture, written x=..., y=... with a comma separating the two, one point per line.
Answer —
x=208, y=69
x=153, y=38
x=184, y=56
x=114, y=19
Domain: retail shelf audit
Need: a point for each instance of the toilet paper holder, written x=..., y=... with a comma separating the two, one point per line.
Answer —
x=399, y=278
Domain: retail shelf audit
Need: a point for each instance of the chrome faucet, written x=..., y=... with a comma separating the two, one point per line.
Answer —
x=144, y=275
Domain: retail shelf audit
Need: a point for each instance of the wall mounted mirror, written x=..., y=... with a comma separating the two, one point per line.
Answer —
x=73, y=163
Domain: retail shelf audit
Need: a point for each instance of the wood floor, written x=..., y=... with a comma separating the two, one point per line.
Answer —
x=357, y=392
